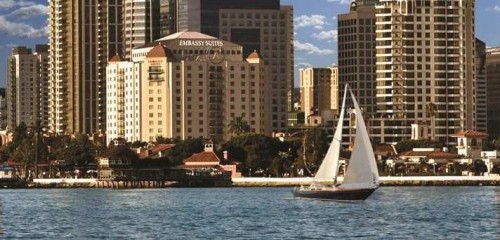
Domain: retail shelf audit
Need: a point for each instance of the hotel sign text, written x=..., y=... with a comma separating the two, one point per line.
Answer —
x=201, y=43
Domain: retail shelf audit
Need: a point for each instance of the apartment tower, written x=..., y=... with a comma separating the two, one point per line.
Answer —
x=426, y=67
x=83, y=36
x=141, y=23
x=26, y=86
x=356, y=53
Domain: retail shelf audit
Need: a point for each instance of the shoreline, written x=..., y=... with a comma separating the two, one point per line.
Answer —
x=405, y=181
x=384, y=181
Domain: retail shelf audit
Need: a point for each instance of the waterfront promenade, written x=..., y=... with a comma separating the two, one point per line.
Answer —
x=291, y=182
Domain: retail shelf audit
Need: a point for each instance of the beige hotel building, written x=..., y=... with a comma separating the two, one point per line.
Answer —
x=185, y=85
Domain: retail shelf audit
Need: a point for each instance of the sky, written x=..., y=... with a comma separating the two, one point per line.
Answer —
x=24, y=23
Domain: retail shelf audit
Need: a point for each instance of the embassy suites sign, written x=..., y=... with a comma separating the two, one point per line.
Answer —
x=201, y=43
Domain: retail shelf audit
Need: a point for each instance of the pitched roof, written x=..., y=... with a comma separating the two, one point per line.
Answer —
x=385, y=150
x=469, y=134
x=186, y=35
x=438, y=154
x=162, y=147
x=203, y=157
x=116, y=58
x=158, y=51
x=253, y=55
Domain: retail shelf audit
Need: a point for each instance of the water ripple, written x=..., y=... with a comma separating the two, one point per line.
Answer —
x=249, y=213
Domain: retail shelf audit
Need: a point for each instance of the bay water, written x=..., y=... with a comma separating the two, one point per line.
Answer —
x=248, y=213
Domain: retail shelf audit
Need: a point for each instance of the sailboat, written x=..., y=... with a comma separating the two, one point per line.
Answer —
x=361, y=178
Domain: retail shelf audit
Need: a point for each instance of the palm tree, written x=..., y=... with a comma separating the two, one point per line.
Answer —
x=238, y=125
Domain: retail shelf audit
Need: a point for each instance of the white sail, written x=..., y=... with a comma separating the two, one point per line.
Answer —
x=329, y=167
x=362, y=170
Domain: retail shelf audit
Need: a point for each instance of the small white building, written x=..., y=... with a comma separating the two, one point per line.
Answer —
x=470, y=143
x=7, y=173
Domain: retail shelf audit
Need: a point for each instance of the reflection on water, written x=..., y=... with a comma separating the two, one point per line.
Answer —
x=250, y=213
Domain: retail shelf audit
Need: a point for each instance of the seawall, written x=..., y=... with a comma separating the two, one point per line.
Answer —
x=384, y=181
x=272, y=182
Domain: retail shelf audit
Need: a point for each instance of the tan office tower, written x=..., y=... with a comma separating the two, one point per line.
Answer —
x=425, y=67
x=493, y=91
x=318, y=91
x=271, y=33
x=141, y=23
x=83, y=36
x=25, y=83
x=356, y=53
x=185, y=85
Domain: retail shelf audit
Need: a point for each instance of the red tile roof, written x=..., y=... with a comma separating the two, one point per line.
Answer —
x=438, y=154
x=162, y=147
x=203, y=157
x=253, y=55
x=116, y=58
x=158, y=51
x=385, y=150
x=469, y=134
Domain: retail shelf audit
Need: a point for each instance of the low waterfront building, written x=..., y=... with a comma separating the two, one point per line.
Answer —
x=427, y=160
x=205, y=169
x=470, y=143
x=7, y=172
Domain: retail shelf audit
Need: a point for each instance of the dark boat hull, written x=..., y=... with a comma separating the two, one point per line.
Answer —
x=335, y=194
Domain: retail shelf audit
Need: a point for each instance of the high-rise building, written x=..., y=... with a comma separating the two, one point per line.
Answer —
x=426, y=68
x=261, y=25
x=83, y=36
x=141, y=23
x=481, y=88
x=356, y=53
x=3, y=109
x=318, y=91
x=26, y=85
x=185, y=85
x=493, y=91
x=42, y=54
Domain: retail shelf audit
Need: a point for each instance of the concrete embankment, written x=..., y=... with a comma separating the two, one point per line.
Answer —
x=272, y=182
x=384, y=181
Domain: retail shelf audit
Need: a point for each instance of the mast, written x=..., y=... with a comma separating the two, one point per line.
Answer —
x=329, y=167
x=362, y=171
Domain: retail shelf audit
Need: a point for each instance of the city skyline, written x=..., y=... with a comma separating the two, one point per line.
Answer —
x=24, y=23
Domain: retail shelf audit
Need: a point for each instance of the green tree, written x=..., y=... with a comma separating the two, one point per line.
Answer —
x=257, y=152
x=314, y=148
x=408, y=145
x=163, y=140
x=238, y=126
x=184, y=149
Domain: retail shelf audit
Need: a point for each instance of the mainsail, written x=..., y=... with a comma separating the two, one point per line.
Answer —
x=362, y=171
x=329, y=167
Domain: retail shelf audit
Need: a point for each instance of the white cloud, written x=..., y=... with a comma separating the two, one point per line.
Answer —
x=316, y=21
x=340, y=1
x=303, y=65
x=8, y=45
x=21, y=29
x=8, y=4
x=311, y=49
x=29, y=11
x=496, y=8
x=329, y=36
